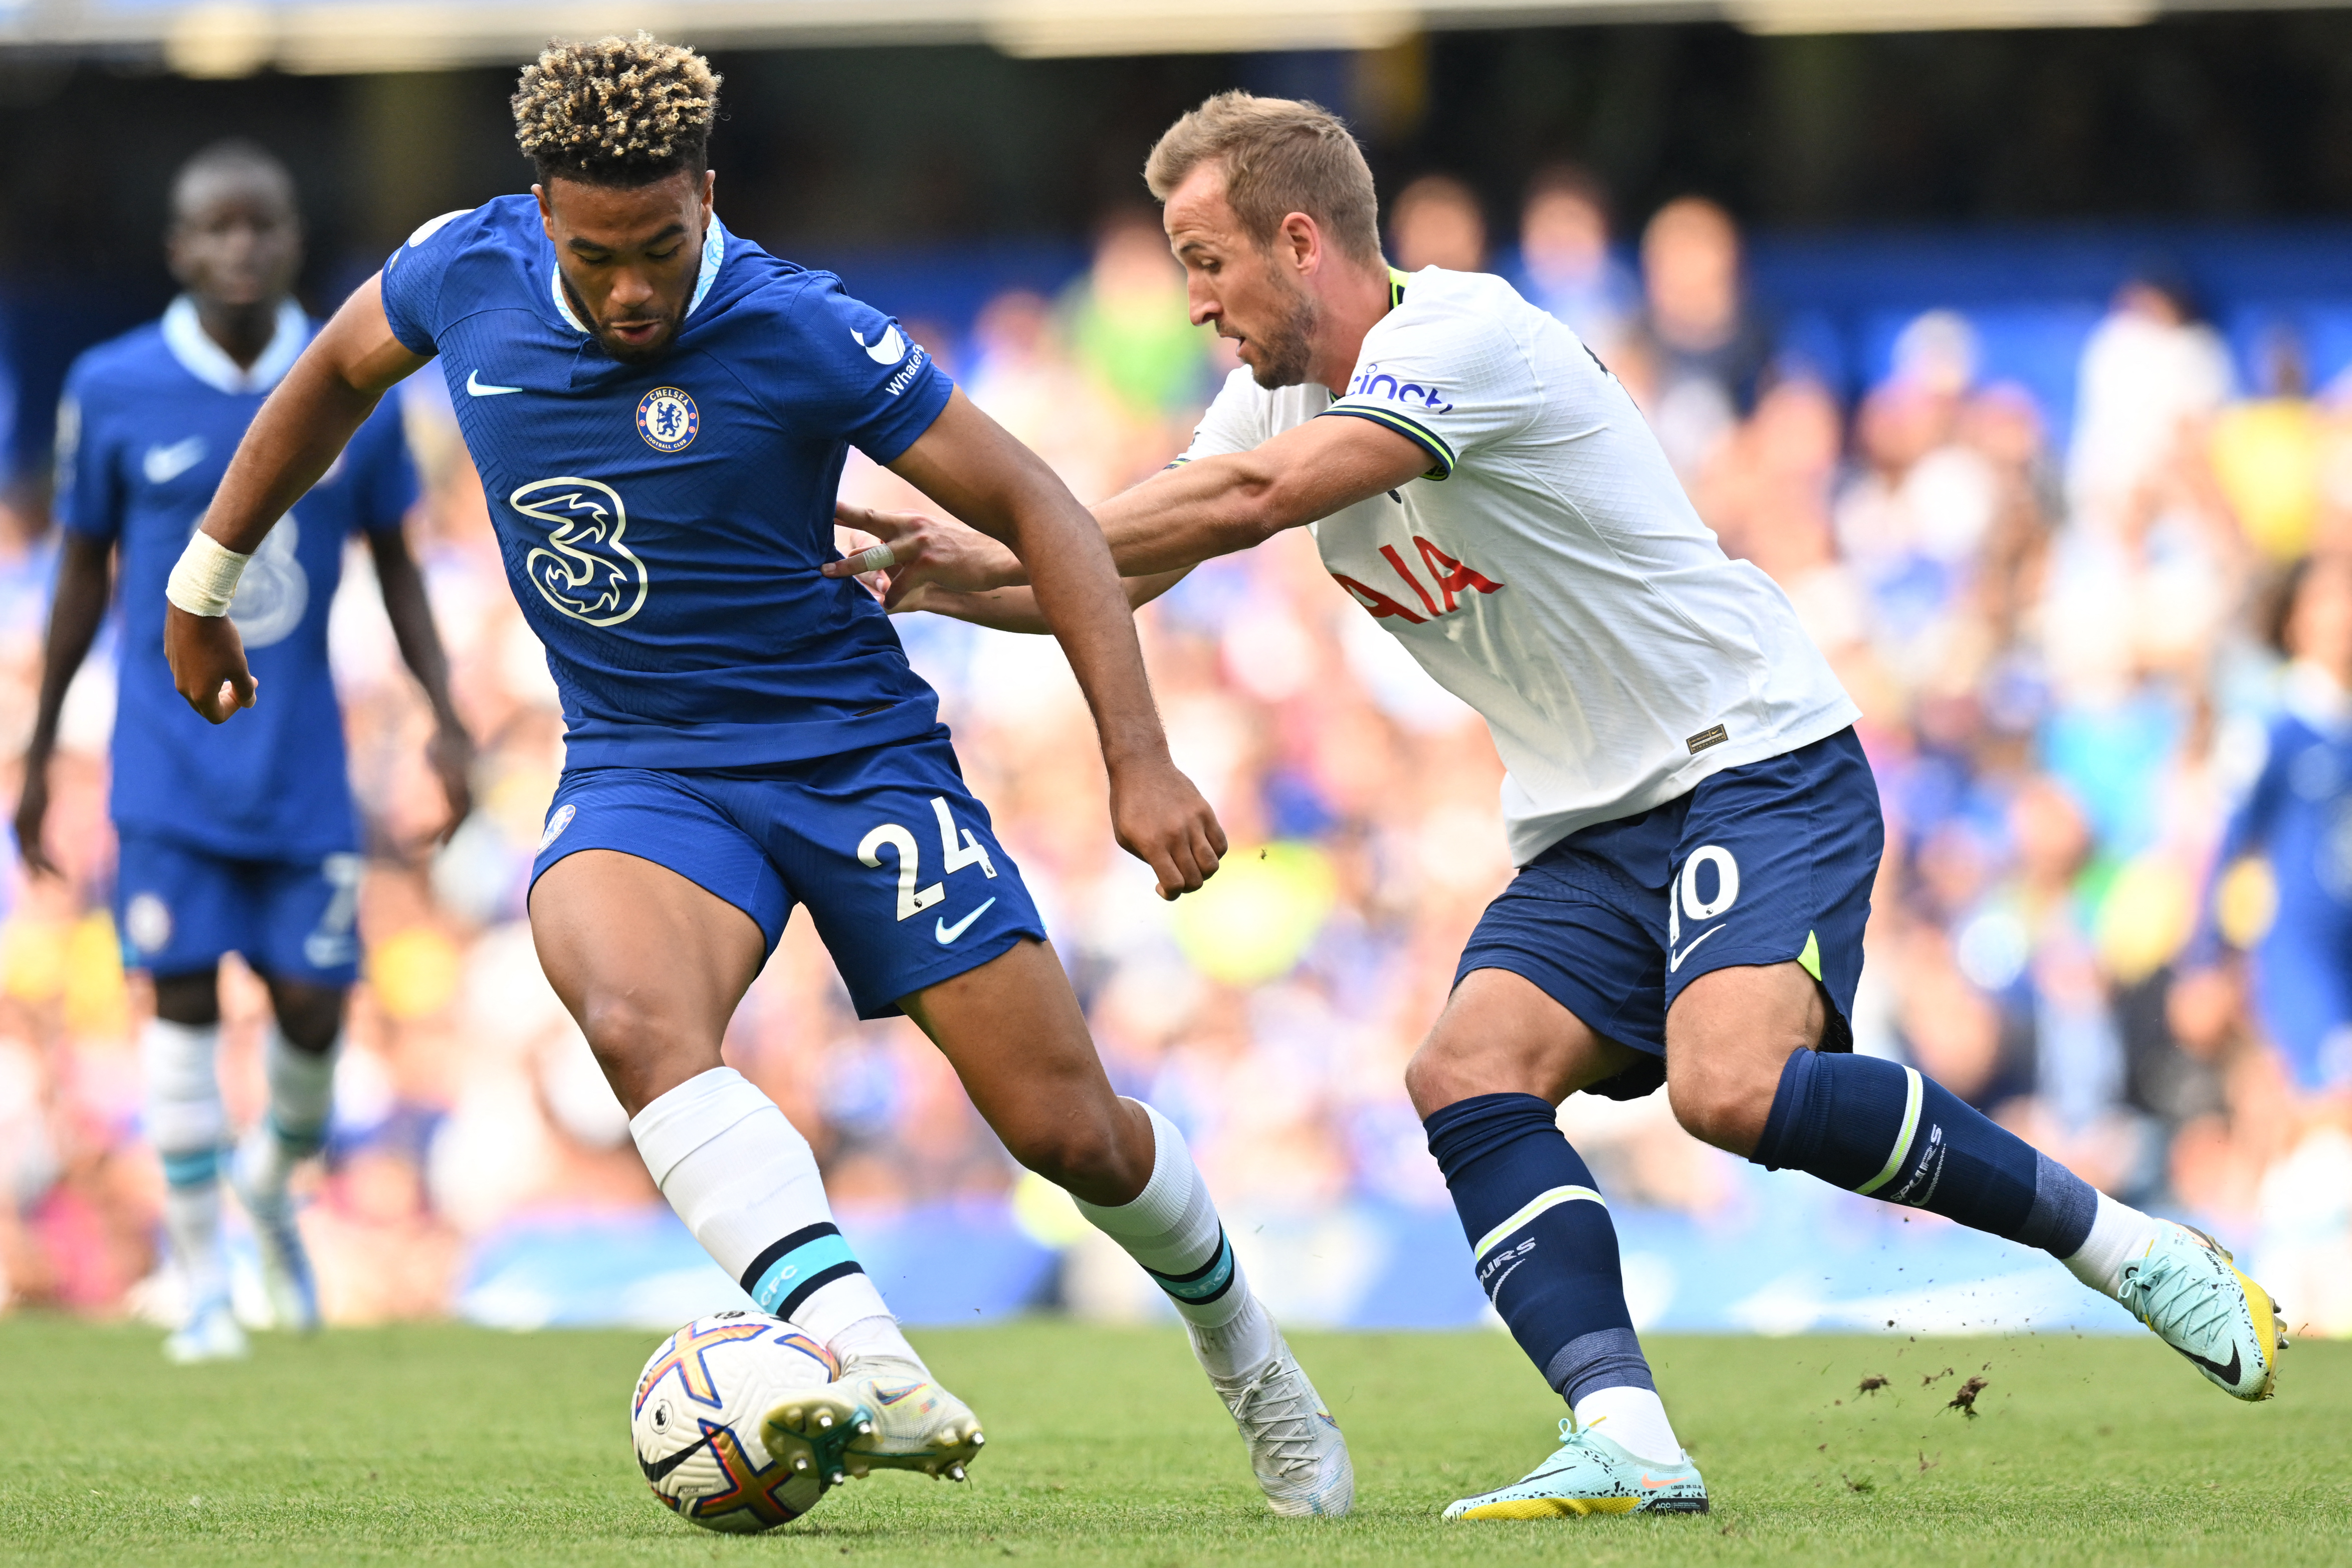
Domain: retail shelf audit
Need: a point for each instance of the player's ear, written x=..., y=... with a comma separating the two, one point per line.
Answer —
x=546, y=212
x=709, y=188
x=1303, y=242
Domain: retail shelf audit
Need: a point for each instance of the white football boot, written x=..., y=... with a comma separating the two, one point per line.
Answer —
x=1589, y=1474
x=881, y=1413
x=2186, y=1288
x=210, y=1334
x=287, y=1282
x=1294, y=1447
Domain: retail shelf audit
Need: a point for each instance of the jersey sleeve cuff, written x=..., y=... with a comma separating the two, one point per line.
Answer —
x=1441, y=458
x=885, y=439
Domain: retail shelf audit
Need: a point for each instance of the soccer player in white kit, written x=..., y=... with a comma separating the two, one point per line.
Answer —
x=1696, y=826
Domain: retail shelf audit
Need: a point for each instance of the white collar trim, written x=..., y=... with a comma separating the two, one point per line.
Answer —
x=714, y=253
x=206, y=361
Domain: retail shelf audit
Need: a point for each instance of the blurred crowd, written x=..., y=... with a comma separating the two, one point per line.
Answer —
x=2104, y=663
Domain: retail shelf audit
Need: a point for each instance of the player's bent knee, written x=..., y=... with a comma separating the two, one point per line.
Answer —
x=1084, y=1158
x=191, y=999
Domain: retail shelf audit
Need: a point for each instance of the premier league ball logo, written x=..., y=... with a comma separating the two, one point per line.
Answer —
x=668, y=419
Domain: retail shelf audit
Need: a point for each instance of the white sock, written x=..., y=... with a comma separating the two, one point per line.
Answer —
x=186, y=1123
x=301, y=1104
x=2118, y=1234
x=1636, y=1421
x=746, y=1184
x=1172, y=1230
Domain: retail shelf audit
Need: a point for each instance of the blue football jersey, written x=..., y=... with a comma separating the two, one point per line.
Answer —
x=663, y=525
x=145, y=431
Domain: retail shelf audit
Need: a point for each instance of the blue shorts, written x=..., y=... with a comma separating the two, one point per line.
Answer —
x=895, y=859
x=1766, y=863
x=179, y=909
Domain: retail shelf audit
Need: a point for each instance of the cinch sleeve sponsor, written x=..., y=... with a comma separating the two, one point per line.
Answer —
x=1445, y=378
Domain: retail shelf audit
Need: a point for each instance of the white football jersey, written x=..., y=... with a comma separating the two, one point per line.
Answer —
x=1547, y=569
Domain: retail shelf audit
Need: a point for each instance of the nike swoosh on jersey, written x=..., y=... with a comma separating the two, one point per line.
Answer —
x=1674, y=960
x=887, y=349
x=475, y=384
x=947, y=933
x=164, y=464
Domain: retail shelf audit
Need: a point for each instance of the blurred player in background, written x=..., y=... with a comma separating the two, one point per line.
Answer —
x=2296, y=820
x=1696, y=826
x=240, y=840
x=660, y=411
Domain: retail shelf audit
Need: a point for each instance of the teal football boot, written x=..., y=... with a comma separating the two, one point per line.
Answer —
x=1590, y=1474
x=2187, y=1288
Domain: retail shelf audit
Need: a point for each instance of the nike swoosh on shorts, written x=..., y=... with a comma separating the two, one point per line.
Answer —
x=947, y=933
x=1674, y=960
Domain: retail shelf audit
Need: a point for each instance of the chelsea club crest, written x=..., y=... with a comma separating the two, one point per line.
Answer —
x=668, y=419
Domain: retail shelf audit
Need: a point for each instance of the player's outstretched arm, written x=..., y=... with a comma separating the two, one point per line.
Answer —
x=968, y=464
x=292, y=442
x=84, y=584
x=1167, y=524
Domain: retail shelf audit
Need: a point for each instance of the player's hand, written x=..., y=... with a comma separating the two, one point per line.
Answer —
x=208, y=664
x=926, y=550
x=1163, y=821
x=32, y=811
x=451, y=754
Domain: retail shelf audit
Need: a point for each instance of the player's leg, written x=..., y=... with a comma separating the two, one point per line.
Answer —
x=179, y=913
x=1760, y=1063
x=924, y=913
x=1014, y=1031
x=651, y=966
x=1511, y=1044
x=307, y=953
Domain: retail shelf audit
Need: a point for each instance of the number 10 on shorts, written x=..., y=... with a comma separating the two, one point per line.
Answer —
x=892, y=835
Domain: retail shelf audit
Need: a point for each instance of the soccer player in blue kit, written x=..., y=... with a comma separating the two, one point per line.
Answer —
x=240, y=840
x=659, y=411
x=1695, y=822
x=2296, y=817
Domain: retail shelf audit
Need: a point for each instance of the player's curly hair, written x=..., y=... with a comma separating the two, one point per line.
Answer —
x=617, y=111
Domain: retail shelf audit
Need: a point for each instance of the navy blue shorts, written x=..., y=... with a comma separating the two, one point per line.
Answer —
x=1759, y=864
x=179, y=909
x=895, y=859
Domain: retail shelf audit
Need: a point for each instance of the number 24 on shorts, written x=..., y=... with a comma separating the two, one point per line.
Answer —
x=957, y=856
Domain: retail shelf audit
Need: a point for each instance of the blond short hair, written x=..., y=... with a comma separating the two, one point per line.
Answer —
x=617, y=111
x=1280, y=156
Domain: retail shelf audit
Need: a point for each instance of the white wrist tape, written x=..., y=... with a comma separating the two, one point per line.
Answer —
x=204, y=580
x=873, y=558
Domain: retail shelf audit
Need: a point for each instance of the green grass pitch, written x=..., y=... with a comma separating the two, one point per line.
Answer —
x=457, y=1444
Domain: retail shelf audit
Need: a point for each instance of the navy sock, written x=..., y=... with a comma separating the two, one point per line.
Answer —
x=1883, y=1129
x=1540, y=1235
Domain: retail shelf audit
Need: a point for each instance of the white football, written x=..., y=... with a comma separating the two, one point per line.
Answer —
x=696, y=1420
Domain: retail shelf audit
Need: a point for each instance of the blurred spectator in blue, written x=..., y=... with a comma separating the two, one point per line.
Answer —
x=2295, y=824
x=1436, y=222
x=1565, y=263
x=1706, y=345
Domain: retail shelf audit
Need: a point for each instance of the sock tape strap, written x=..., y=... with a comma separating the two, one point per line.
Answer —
x=1911, y=1095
